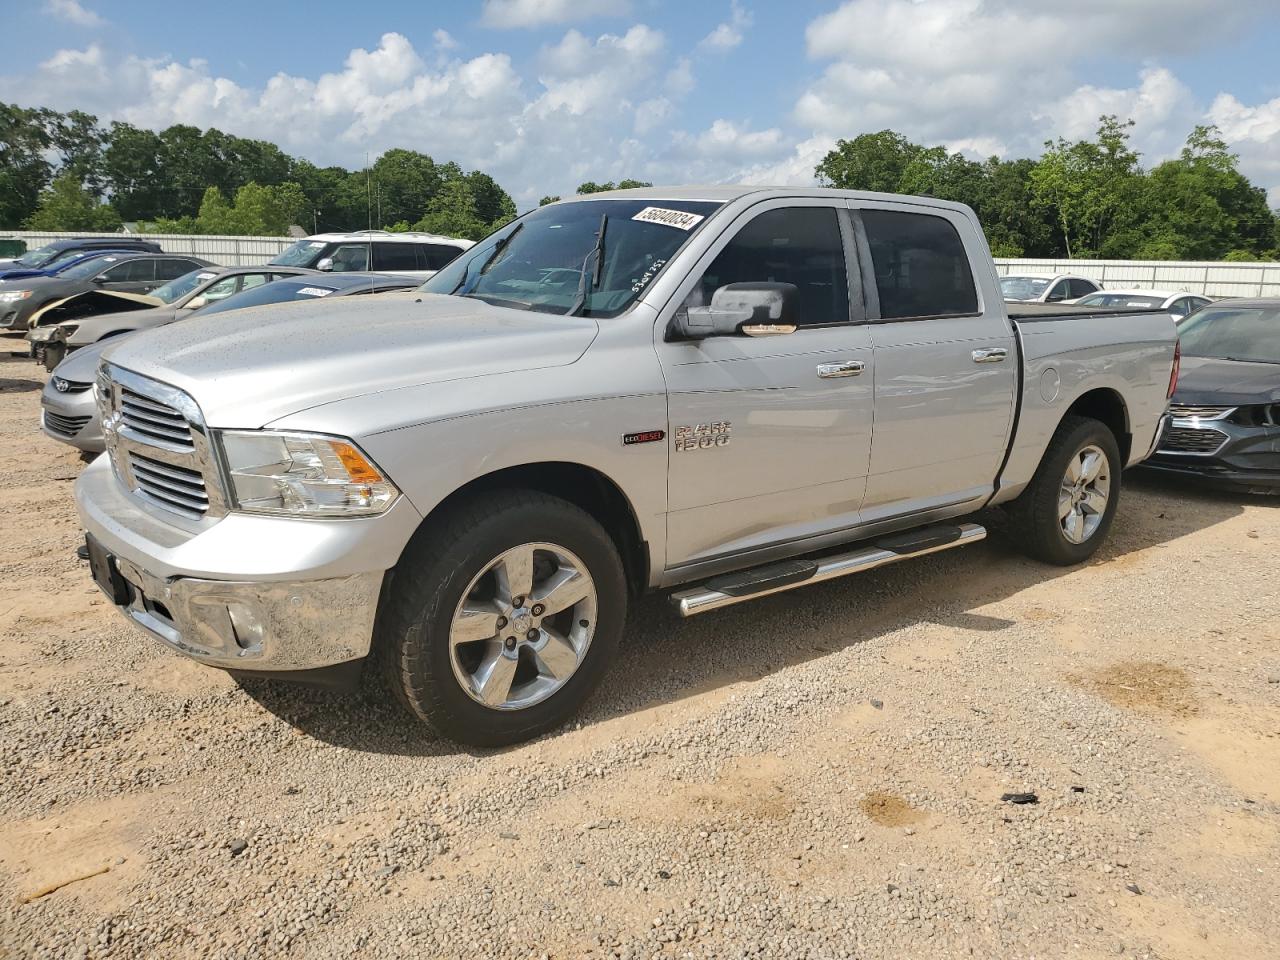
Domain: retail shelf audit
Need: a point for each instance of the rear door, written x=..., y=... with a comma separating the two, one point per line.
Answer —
x=769, y=436
x=946, y=368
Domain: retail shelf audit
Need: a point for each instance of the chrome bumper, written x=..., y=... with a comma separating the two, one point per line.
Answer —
x=296, y=625
x=246, y=592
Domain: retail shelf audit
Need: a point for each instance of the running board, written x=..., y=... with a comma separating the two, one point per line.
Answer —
x=789, y=574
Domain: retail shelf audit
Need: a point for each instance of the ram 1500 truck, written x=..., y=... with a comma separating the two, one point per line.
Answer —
x=726, y=392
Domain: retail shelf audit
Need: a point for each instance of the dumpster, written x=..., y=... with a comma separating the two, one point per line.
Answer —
x=12, y=247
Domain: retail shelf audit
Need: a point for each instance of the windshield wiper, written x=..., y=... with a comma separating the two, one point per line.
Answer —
x=597, y=252
x=488, y=264
x=1249, y=360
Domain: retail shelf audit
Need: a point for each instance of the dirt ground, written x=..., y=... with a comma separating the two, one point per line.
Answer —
x=818, y=774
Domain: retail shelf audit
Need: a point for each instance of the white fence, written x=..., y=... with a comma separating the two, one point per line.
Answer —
x=228, y=251
x=1210, y=279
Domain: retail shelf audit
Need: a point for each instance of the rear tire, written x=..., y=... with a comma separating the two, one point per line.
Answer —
x=1066, y=511
x=488, y=664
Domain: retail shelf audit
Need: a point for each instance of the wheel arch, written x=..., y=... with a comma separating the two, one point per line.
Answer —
x=586, y=487
x=1107, y=406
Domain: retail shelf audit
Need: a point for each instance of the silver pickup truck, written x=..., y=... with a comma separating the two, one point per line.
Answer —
x=726, y=392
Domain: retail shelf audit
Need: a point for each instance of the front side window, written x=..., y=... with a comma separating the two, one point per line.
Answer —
x=546, y=257
x=349, y=256
x=920, y=265
x=222, y=289
x=304, y=253
x=797, y=245
x=1059, y=291
x=394, y=256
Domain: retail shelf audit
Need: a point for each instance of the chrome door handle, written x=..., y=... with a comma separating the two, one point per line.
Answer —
x=990, y=355
x=849, y=368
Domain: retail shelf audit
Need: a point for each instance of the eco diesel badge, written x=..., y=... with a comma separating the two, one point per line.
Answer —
x=645, y=436
x=703, y=436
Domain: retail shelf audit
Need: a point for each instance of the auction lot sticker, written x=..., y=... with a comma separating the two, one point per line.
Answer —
x=669, y=218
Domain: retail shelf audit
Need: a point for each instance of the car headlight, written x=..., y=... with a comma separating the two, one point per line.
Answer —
x=301, y=474
x=9, y=296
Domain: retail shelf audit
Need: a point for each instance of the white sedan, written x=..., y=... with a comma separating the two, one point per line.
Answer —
x=1178, y=302
x=1060, y=288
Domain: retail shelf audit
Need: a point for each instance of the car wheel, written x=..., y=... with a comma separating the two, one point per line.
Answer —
x=1066, y=511
x=501, y=620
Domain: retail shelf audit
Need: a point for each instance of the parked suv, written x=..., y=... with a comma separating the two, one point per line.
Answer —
x=47, y=256
x=381, y=251
x=1027, y=288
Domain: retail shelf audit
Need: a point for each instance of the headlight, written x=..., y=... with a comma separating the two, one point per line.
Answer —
x=300, y=474
x=9, y=296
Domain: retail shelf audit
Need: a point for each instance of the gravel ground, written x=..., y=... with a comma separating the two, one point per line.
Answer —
x=818, y=774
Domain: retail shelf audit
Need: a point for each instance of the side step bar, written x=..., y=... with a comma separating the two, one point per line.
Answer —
x=789, y=574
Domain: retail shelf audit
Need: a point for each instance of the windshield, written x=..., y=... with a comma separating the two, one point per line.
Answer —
x=300, y=254
x=87, y=268
x=1244, y=333
x=281, y=291
x=541, y=268
x=1118, y=300
x=38, y=257
x=183, y=285
x=1022, y=288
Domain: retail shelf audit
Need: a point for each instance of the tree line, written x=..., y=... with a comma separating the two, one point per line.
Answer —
x=1085, y=199
x=66, y=171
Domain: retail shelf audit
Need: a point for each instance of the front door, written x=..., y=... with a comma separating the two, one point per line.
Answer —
x=130, y=276
x=946, y=370
x=770, y=436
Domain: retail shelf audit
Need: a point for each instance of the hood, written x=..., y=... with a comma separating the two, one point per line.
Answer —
x=92, y=303
x=1205, y=381
x=82, y=365
x=249, y=367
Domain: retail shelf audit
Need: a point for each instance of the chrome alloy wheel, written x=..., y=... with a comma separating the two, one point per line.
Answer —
x=523, y=626
x=1082, y=498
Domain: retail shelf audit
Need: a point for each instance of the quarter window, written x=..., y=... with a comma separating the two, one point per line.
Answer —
x=799, y=245
x=920, y=265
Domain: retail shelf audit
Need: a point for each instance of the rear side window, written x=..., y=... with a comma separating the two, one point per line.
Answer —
x=394, y=256
x=1082, y=288
x=134, y=271
x=799, y=245
x=172, y=269
x=437, y=256
x=920, y=265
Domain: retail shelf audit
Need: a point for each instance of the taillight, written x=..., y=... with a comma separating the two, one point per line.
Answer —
x=1177, y=364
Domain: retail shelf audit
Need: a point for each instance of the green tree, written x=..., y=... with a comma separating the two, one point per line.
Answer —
x=592, y=187
x=1091, y=187
x=870, y=161
x=548, y=199
x=67, y=205
x=452, y=212
x=24, y=168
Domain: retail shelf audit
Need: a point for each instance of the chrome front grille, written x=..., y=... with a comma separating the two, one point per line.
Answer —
x=178, y=488
x=154, y=420
x=64, y=426
x=158, y=444
x=70, y=386
x=1181, y=410
x=1181, y=439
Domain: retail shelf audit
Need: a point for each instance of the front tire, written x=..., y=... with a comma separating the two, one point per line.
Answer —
x=1066, y=511
x=502, y=618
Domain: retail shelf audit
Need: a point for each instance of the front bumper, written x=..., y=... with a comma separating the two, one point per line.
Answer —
x=1230, y=454
x=243, y=592
x=71, y=417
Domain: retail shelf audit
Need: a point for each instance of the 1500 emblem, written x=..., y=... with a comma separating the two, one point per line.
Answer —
x=703, y=436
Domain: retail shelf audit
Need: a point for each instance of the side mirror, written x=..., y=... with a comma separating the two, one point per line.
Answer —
x=195, y=303
x=743, y=309
x=324, y=263
x=100, y=279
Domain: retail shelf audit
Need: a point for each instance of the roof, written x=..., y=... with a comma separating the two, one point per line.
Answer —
x=724, y=193
x=1269, y=303
x=384, y=236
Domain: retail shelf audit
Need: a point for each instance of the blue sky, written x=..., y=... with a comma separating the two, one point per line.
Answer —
x=546, y=93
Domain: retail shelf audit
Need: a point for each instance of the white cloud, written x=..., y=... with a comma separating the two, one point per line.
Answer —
x=511, y=14
x=1253, y=133
x=444, y=40
x=582, y=75
x=728, y=35
x=725, y=139
x=71, y=11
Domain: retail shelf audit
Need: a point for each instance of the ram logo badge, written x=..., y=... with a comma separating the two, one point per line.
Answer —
x=703, y=436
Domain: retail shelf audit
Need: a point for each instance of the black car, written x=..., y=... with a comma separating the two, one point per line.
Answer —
x=20, y=300
x=44, y=257
x=1224, y=418
x=312, y=288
